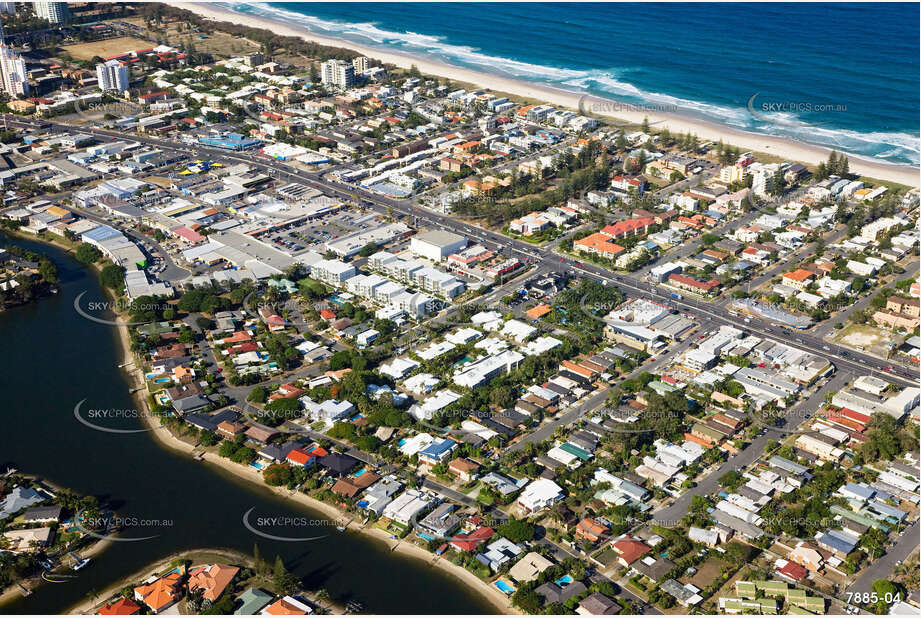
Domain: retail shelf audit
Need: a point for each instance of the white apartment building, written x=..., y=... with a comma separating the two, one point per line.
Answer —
x=112, y=75
x=54, y=12
x=332, y=272
x=436, y=245
x=337, y=73
x=361, y=64
x=14, y=74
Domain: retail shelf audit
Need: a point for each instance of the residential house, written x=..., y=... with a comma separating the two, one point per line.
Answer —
x=160, y=593
x=212, y=580
x=629, y=550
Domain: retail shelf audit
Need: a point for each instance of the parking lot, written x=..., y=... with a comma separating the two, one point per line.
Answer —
x=313, y=235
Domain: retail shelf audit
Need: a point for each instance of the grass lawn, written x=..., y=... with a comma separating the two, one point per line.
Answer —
x=872, y=339
x=470, y=490
x=607, y=557
x=104, y=49
x=707, y=571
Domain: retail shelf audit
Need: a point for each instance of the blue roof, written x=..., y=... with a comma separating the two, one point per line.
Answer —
x=885, y=509
x=437, y=449
x=103, y=232
x=860, y=490
x=836, y=542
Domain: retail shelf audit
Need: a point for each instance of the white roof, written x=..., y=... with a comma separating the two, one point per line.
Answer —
x=417, y=443
x=463, y=336
x=540, y=492
x=518, y=330
x=398, y=367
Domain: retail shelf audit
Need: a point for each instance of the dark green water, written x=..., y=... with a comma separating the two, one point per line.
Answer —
x=50, y=359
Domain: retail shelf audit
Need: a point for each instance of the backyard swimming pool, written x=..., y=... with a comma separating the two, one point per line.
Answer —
x=564, y=581
x=504, y=586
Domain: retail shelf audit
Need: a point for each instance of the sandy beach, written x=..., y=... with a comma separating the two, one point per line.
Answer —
x=676, y=123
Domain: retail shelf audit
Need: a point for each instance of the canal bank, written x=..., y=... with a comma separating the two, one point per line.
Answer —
x=52, y=359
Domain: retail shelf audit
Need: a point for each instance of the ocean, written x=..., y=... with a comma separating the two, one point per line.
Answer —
x=845, y=76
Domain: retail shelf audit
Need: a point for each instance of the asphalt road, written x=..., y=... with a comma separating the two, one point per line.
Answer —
x=882, y=568
x=671, y=514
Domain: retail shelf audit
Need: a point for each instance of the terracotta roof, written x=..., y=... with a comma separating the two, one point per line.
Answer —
x=629, y=226
x=793, y=571
x=160, y=593
x=345, y=487
x=212, y=580
x=299, y=456
x=282, y=607
x=462, y=464
x=630, y=550
x=599, y=242
x=798, y=275
x=121, y=607
x=469, y=542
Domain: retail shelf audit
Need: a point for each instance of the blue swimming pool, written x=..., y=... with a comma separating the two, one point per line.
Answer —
x=504, y=586
x=162, y=380
x=564, y=581
x=360, y=472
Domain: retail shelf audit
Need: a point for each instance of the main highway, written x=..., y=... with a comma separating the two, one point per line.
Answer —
x=631, y=284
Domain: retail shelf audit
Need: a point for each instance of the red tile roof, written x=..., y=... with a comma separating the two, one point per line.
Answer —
x=121, y=607
x=297, y=456
x=469, y=542
x=630, y=550
x=854, y=415
x=601, y=243
x=793, y=571
x=705, y=286
x=628, y=226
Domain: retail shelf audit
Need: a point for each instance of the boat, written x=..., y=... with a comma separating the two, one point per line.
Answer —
x=79, y=562
x=353, y=607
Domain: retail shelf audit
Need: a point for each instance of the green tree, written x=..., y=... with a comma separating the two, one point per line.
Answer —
x=112, y=277
x=516, y=530
x=87, y=253
x=257, y=395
